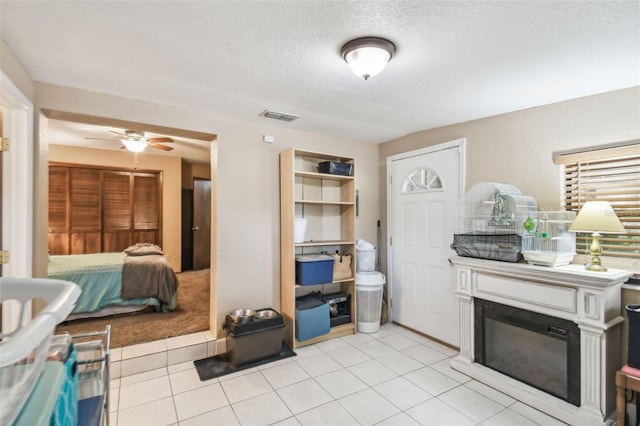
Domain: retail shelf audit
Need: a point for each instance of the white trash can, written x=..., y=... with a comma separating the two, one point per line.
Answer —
x=369, y=292
x=365, y=256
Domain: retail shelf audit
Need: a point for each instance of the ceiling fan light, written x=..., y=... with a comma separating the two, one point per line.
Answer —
x=368, y=56
x=135, y=145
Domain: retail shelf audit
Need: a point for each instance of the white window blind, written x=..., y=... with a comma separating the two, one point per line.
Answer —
x=608, y=174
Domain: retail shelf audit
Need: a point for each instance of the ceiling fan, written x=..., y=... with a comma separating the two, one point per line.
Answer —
x=137, y=141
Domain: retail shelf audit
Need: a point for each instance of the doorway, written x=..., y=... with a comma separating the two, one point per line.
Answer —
x=17, y=180
x=425, y=186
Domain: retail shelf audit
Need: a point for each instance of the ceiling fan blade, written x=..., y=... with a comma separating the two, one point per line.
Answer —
x=160, y=140
x=162, y=147
x=117, y=133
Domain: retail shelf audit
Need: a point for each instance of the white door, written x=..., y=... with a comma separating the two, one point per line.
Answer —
x=424, y=191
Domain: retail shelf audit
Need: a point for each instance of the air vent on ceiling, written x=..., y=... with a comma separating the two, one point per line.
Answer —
x=280, y=115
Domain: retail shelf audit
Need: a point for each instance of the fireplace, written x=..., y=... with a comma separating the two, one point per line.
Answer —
x=536, y=349
x=568, y=319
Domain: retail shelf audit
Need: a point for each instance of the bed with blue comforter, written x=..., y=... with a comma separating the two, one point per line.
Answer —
x=118, y=279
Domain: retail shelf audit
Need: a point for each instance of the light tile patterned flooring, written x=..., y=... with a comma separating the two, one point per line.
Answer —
x=392, y=377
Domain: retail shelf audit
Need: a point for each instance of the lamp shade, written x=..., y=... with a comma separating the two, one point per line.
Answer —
x=367, y=56
x=135, y=145
x=597, y=216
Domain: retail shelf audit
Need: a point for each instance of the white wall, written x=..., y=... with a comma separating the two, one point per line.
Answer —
x=517, y=147
x=247, y=184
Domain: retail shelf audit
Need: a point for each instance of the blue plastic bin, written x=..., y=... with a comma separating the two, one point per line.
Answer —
x=312, y=317
x=314, y=269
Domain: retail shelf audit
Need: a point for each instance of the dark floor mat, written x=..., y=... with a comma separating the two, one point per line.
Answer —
x=220, y=365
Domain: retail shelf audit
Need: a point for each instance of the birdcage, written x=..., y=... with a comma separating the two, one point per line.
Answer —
x=547, y=240
x=489, y=222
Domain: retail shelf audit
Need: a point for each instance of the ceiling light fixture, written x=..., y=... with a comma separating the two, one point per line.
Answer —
x=367, y=56
x=135, y=145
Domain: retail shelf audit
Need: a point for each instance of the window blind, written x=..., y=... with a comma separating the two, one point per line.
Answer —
x=613, y=175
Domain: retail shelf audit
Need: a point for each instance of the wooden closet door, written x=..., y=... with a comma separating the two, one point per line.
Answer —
x=116, y=211
x=58, y=207
x=147, y=210
x=85, y=216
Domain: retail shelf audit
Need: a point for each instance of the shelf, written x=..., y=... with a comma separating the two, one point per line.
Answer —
x=337, y=331
x=337, y=203
x=346, y=280
x=328, y=202
x=316, y=175
x=325, y=243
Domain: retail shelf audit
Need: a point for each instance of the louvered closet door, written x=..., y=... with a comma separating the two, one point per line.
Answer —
x=85, y=217
x=147, y=210
x=116, y=211
x=58, y=205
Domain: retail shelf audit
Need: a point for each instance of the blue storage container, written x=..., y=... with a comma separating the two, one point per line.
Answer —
x=314, y=269
x=312, y=316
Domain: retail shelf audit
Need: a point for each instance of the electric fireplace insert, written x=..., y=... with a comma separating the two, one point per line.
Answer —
x=536, y=349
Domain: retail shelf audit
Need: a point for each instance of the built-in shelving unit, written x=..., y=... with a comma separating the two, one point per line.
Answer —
x=328, y=202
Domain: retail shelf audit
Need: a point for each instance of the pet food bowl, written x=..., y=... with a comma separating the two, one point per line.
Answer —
x=241, y=316
x=266, y=313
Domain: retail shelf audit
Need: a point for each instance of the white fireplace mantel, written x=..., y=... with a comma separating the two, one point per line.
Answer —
x=590, y=299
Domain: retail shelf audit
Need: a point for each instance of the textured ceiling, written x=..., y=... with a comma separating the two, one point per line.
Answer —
x=456, y=61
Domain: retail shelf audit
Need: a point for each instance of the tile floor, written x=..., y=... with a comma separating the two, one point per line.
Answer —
x=392, y=377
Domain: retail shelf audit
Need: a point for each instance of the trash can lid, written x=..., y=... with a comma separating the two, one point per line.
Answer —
x=370, y=278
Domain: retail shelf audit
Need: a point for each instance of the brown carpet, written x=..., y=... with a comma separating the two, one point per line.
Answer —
x=191, y=315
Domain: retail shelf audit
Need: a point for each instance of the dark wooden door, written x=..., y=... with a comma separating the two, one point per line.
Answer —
x=187, y=229
x=201, y=224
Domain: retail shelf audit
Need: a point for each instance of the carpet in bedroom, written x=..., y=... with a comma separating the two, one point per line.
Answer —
x=191, y=316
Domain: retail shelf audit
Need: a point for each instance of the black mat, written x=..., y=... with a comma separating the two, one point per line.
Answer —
x=220, y=365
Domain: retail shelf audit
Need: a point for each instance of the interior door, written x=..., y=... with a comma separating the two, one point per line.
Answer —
x=201, y=224
x=424, y=192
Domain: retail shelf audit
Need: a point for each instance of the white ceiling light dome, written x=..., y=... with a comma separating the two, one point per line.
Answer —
x=367, y=56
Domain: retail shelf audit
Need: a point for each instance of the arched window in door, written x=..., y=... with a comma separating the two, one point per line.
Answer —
x=421, y=180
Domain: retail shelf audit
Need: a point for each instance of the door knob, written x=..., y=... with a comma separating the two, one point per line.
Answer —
x=195, y=229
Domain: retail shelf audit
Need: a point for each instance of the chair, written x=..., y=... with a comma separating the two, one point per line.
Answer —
x=628, y=378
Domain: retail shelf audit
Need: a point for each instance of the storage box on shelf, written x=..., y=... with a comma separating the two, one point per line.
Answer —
x=327, y=201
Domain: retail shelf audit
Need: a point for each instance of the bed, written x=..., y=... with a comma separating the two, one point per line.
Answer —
x=118, y=282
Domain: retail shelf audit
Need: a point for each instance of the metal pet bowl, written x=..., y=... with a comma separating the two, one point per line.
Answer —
x=241, y=316
x=265, y=314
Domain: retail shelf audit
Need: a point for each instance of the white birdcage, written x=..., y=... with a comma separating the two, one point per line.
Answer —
x=489, y=222
x=547, y=240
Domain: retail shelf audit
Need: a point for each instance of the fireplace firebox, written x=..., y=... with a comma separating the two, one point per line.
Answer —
x=537, y=349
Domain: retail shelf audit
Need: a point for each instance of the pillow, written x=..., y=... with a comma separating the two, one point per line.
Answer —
x=143, y=249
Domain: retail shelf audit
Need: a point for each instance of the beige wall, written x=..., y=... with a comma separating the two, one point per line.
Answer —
x=15, y=72
x=194, y=171
x=517, y=147
x=247, y=255
x=171, y=184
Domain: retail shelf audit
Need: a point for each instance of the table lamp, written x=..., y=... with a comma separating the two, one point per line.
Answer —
x=597, y=217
